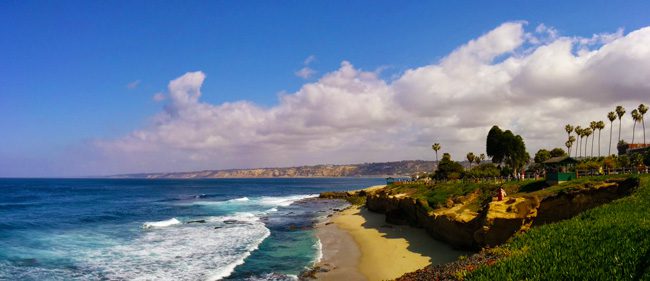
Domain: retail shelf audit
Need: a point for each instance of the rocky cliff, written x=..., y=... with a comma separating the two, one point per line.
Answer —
x=400, y=168
x=496, y=221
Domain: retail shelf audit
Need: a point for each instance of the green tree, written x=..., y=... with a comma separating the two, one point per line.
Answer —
x=620, y=111
x=569, y=143
x=600, y=125
x=609, y=163
x=636, y=117
x=569, y=129
x=436, y=147
x=557, y=152
x=636, y=159
x=506, y=147
x=587, y=132
x=593, y=125
x=579, y=133
x=493, y=145
x=486, y=170
x=642, y=111
x=622, y=147
x=470, y=158
x=611, y=116
x=623, y=161
x=449, y=169
x=542, y=155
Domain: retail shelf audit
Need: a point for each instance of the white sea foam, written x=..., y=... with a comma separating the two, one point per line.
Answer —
x=185, y=252
x=159, y=224
x=283, y=200
x=273, y=277
x=272, y=201
x=239, y=216
x=319, y=251
x=230, y=268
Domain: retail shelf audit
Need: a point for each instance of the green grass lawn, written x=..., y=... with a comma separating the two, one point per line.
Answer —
x=611, y=242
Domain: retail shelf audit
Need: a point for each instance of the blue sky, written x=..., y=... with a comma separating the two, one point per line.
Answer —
x=65, y=66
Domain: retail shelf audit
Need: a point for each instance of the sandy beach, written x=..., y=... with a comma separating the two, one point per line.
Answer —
x=360, y=245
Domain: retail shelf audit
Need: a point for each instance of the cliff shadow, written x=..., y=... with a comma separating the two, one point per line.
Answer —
x=418, y=240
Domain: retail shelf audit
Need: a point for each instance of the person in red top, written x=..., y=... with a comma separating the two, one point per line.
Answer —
x=500, y=194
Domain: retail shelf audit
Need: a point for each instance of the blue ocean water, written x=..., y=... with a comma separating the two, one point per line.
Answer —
x=125, y=229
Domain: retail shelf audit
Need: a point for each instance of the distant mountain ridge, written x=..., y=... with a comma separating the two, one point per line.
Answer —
x=399, y=168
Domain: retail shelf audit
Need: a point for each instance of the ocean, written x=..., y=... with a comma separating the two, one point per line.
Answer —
x=142, y=229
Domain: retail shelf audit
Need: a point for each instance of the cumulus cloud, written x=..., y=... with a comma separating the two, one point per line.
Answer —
x=531, y=82
x=305, y=72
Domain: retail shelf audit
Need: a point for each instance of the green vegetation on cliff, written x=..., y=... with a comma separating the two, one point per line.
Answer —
x=611, y=242
x=440, y=194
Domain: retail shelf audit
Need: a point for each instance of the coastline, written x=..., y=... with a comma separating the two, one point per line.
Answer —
x=359, y=245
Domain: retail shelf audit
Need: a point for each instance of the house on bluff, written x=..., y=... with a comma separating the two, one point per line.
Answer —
x=558, y=169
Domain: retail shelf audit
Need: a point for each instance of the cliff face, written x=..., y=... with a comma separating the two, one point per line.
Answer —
x=352, y=170
x=496, y=222
x=455, y=225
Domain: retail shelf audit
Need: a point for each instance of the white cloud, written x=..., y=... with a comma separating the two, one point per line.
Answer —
x=305, y=72
x=309, y=60
x=532, y=83
x=133, y=84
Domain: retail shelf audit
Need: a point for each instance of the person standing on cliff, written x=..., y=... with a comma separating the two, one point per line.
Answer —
x=501, y=193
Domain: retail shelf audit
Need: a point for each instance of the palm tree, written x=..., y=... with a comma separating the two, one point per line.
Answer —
x=571, y=140
x=436, y=147
x=568, y=128
x=587, y=132
x=611, y=116
x=600, y=125
x=470, y=158
x=642, y=110
x=636, y=117
x=482, y=156
x=620, y=111
x=578, y=131
x=593, y=125
x=568, y=146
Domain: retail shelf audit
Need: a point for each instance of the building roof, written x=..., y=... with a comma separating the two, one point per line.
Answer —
x=561, y=160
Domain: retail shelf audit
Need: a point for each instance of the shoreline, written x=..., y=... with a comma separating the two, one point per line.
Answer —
x=359, y=245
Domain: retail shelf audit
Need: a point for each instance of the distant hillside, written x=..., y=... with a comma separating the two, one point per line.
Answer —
x=401, y=168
